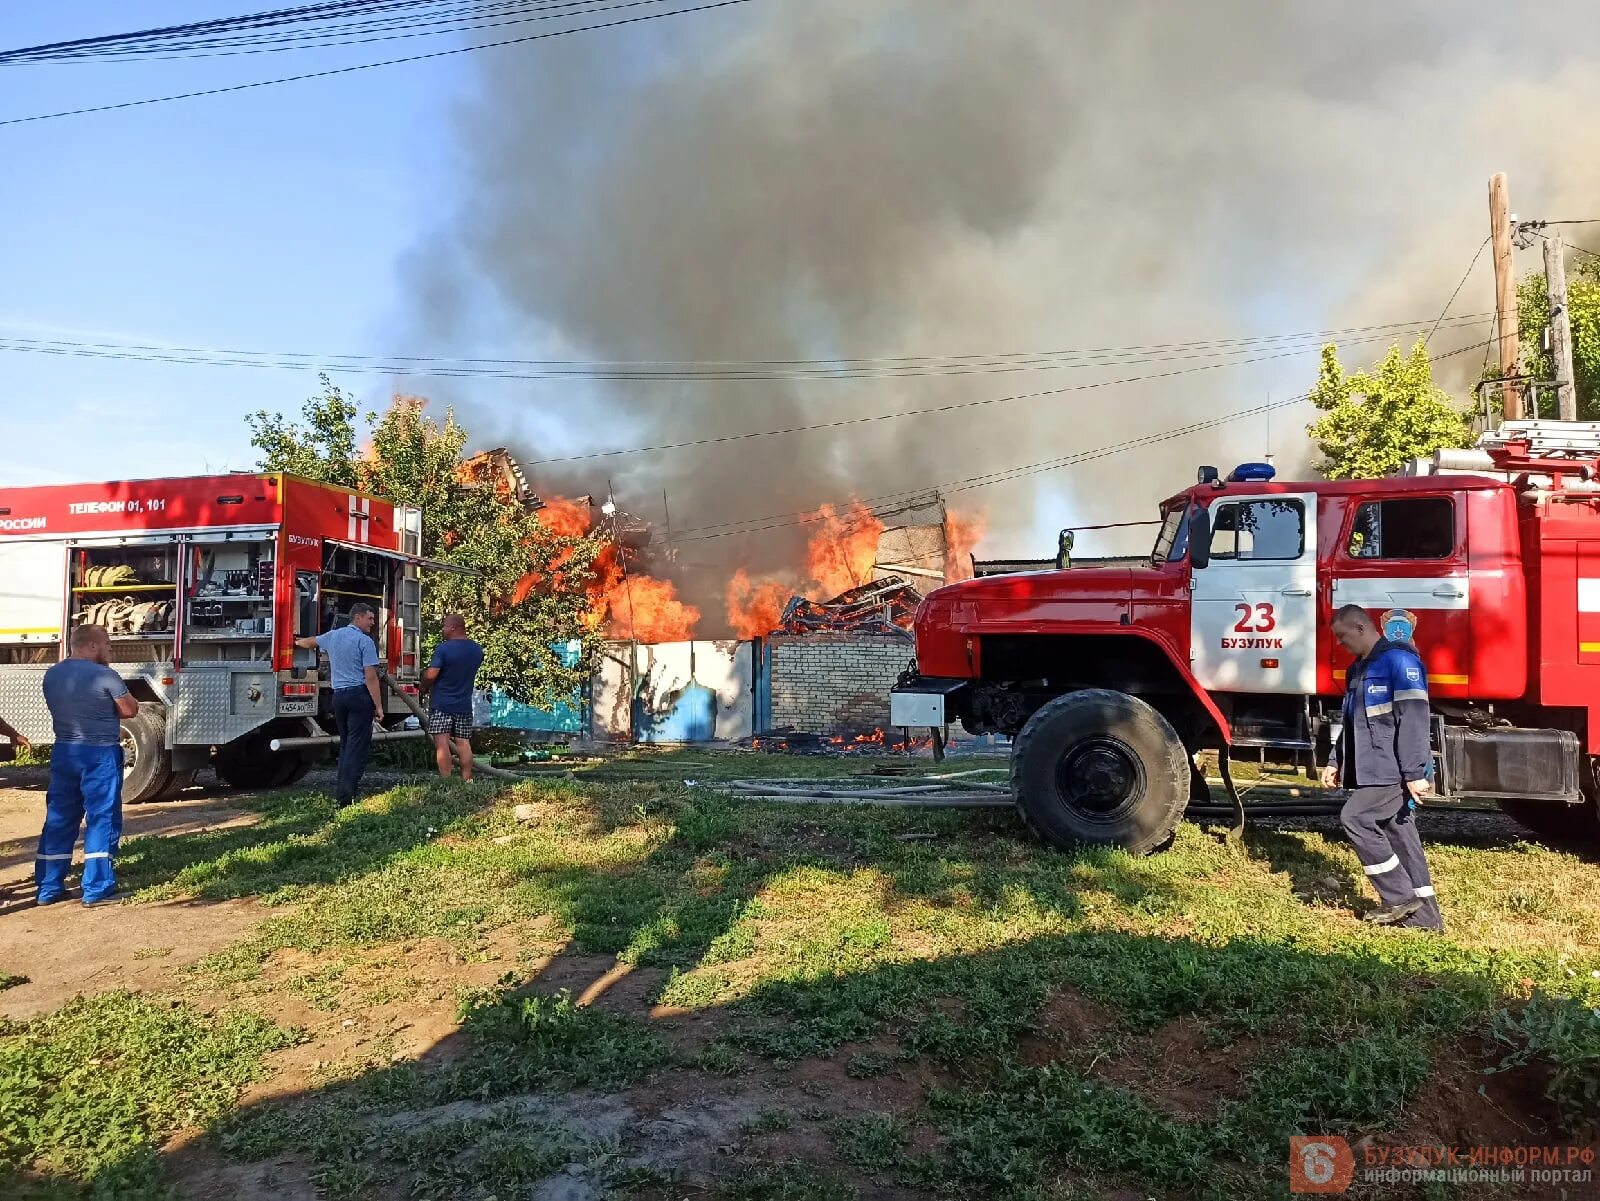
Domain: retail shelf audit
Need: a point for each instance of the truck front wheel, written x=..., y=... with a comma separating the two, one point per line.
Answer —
x=1100, y=768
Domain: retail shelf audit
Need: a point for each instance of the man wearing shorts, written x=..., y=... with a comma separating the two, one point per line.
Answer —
x=450, y=681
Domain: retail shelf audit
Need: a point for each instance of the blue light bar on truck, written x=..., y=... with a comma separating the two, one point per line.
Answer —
x=1252, y=473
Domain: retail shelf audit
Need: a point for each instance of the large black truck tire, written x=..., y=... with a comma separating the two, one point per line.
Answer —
x=1101, y=768
x=146, y=762
x=250, y=762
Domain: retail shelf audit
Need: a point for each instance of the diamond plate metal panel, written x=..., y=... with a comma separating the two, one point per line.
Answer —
x=22, y=700
x=222, y=701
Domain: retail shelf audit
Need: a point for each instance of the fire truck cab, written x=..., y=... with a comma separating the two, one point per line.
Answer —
x=203, y=584
x=1111, y=679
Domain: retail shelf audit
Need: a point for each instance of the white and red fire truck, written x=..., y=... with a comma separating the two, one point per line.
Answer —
x=204, y=582
x=1112, y=678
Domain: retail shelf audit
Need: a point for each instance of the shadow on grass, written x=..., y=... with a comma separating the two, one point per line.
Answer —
x=301, y=838
x=533, y=1086
x=1312, y=872
x=675, y=882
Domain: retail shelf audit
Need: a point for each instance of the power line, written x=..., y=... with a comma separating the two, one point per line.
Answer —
x=1005, y=475
x=1463, y=283
x=953, y=406
x=176, y=42
x=706, y=6
x=700, y=370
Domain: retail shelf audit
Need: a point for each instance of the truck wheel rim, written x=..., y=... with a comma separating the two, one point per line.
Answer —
x=1100, y=776
x=130, y=752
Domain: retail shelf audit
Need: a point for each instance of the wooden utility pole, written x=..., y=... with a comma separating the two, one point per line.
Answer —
x=1505, y=291
x=1555, y=274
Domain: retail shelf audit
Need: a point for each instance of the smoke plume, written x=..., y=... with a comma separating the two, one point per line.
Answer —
x=873, y=178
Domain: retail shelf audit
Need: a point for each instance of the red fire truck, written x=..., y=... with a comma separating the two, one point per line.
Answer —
x=1111, y=679
x=204, y=583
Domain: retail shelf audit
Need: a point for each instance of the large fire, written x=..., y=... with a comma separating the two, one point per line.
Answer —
x=962, y=533
x=754, y=610
x=625, y=605
x=569, y=518
x=842, y=551
x=644, y=609
x=840, y=556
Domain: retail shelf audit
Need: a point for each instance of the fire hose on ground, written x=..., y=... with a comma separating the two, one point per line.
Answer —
x=938, y=791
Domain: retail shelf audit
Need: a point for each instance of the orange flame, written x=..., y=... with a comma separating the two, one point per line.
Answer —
x=754, y=610
x=569, y=518
x=961, y=536
x=644, y=609
x=842, y=552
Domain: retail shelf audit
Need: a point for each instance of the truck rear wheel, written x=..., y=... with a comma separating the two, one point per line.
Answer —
x=146, y=762
x=1101, y=768
x=250, y=762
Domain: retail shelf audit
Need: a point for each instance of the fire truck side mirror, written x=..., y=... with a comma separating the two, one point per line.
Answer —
x=1199, y=537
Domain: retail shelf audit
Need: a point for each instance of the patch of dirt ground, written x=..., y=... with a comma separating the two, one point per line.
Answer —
x=1180, y=1071
x=63, y=949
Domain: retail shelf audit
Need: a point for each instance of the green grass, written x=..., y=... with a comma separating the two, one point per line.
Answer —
x=816, y=932
x=90, y=1092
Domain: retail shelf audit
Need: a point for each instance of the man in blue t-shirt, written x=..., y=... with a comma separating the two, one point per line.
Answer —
x=451, y=678
x=87, y=701
x=357, y=692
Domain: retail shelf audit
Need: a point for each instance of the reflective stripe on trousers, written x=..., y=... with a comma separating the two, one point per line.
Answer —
x=1390, y=850
x=85, y=791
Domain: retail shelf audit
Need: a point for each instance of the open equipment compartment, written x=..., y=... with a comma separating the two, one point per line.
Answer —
x=229, y=597
x=130, y=587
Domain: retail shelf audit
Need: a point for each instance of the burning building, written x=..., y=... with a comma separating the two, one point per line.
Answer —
x=814, y=652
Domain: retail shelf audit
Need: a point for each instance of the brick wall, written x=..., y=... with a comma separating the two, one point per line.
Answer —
x=835, y=683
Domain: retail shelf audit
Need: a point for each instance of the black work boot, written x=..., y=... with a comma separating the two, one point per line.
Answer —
x=1394, y=915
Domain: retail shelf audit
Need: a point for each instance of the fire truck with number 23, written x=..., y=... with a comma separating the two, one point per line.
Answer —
x=203, y=583
x=1112, y=679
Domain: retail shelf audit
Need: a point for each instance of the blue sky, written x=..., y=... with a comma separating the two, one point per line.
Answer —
x=269, y=219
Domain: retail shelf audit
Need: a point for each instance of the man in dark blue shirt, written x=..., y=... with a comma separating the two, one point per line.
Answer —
x=451, y=679
x=87, y=701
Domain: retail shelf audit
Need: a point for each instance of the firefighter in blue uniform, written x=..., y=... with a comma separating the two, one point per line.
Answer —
x=1383, y=758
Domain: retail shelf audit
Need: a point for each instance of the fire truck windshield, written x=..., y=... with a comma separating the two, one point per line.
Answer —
x=1173, y=540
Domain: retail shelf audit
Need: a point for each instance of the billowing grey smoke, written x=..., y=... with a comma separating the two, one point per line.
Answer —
x=867, y=178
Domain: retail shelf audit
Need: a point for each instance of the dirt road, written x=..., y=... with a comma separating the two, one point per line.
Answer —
x=63, y=950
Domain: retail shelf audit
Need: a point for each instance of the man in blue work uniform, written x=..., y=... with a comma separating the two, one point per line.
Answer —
x=451, y=678
x=357, y=692
x=87, y=701
x=1384, y=758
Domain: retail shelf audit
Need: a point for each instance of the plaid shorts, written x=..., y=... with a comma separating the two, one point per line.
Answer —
x=456, y=725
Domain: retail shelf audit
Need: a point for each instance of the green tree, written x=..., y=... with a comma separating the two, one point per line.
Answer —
x=1375, y=420
x=1583, y=313
x=322, y=448
x=531, y=593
